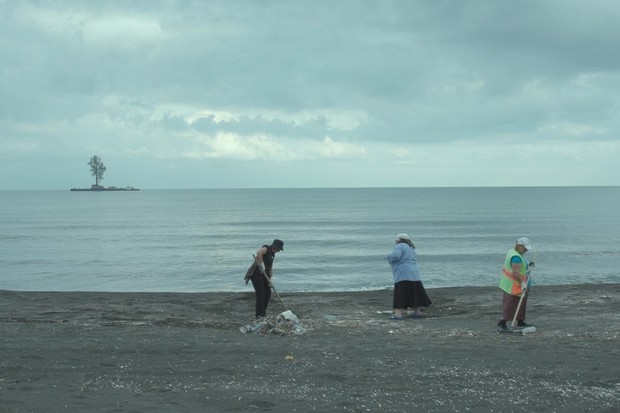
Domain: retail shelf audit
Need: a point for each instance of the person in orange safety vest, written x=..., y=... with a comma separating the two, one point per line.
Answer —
x=514, y=282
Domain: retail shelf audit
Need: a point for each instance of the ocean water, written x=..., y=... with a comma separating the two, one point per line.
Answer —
x=335, y=239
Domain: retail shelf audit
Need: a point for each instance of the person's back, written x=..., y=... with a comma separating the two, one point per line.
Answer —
x=404, y=263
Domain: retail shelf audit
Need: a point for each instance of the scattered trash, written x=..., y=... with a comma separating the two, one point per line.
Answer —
x=286, y=323
x=260, y=327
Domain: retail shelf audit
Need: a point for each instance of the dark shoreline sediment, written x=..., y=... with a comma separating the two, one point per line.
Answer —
x=163, y=352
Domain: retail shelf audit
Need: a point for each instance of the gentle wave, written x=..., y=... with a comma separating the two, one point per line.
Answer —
x=335, y=240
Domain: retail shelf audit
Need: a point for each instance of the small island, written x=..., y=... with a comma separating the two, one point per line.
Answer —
x=105, y=188
x=97, y=168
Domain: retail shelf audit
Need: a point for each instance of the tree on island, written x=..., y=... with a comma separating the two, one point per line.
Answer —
x=97, y=168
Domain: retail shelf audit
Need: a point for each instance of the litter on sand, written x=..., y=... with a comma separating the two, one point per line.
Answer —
x=286, y=323
x=518, y=330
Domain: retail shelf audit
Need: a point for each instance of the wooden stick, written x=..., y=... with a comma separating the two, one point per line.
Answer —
x=514, y=319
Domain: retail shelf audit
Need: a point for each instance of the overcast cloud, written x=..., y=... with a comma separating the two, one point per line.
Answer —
x=317, y=93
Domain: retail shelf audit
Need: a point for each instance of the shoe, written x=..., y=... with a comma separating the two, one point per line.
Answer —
x=522, y=323
x=414, y=315
x=502, y=325
x=395, y=317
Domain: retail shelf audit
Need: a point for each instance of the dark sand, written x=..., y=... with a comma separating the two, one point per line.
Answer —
x=160, y=352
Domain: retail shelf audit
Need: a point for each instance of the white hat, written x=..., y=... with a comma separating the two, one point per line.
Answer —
x=525, y=242
x=403, y=236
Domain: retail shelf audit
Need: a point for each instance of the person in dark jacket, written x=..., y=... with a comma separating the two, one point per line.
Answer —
x=260, y=273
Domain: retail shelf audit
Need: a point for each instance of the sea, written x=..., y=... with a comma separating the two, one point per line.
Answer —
x=202, y=240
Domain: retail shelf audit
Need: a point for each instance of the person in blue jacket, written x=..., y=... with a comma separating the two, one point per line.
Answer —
x=409, y=291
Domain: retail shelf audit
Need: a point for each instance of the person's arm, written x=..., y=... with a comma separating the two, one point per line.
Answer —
x=516, y=272
x=394, y=255
x=259, y=257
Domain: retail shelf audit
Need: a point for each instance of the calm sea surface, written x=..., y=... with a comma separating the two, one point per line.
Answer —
x=335, y=239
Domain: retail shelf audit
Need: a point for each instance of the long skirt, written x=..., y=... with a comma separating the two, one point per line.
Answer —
x=410, y=294
x=510, y=304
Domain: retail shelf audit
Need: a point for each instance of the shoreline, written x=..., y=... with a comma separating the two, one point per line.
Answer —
x=248, y=289
x=161, y=352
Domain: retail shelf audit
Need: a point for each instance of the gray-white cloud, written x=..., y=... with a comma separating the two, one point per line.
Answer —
x=385, y=86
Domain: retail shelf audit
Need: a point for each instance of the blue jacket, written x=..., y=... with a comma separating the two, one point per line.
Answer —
x=404, y=262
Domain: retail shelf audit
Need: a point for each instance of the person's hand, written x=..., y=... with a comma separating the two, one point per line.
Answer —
x=523, y=285
x=261, y=267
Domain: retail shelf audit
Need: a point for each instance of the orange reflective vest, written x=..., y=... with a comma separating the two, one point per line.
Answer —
x=508, y=282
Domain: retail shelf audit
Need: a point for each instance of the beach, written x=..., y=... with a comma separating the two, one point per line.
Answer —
x=185, y=352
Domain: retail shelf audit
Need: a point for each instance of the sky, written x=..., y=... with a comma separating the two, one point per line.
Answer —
x=309, y=93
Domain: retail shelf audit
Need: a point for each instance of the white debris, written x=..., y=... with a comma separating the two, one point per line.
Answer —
x=286, y=323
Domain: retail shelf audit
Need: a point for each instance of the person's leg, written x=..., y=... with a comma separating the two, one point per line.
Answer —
x=397, y=306
x=420, y=298
x=521, y=314
x=259, y=289
x=509, y=306
x=267, y=296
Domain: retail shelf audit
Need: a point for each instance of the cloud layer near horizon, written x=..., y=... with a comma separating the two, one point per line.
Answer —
x=310, y=93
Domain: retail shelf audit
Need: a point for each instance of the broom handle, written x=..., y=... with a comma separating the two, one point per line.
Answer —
x=514, y=319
